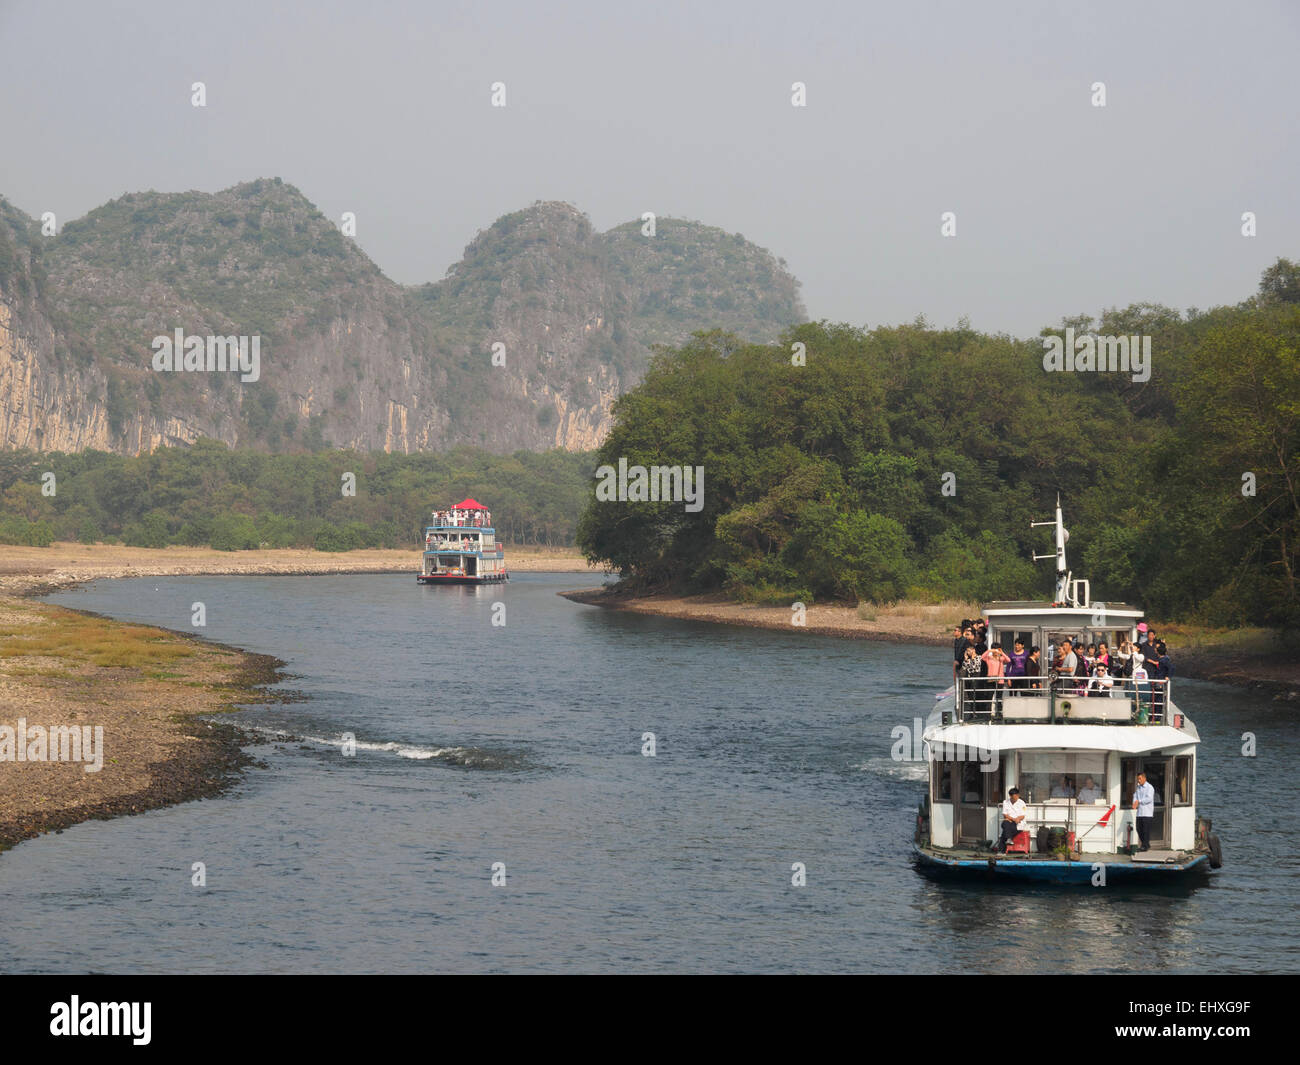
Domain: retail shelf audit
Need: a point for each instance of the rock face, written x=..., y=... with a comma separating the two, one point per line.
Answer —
x=526, y=343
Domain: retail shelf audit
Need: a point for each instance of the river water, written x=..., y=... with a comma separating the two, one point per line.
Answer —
x=521, y=744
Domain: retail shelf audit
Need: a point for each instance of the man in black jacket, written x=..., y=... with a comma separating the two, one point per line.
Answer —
x=963, y=637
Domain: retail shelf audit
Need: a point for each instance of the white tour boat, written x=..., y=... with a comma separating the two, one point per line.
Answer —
x=461, y=547
x=1072, y=748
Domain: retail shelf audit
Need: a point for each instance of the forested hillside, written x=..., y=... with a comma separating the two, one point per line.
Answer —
x=232, y=500
x=910, y=461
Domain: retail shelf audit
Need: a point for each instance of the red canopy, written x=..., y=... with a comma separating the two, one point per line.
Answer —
x=469, y=504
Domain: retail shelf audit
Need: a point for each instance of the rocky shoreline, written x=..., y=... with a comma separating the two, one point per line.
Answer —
x=150, y=700
x=201, y=770
x=155, y=749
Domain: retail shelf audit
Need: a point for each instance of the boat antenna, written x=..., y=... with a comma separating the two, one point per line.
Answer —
x=1062, y=570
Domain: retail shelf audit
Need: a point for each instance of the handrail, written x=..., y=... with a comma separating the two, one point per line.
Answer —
x=1069, y=698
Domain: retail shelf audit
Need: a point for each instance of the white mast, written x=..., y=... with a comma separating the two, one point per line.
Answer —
x=1062, y=570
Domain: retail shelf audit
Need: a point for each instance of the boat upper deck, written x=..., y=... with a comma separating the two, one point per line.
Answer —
x=464, y=530
x=1060, y=700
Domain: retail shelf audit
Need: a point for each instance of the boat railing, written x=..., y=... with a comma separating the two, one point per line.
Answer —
x=460, y=523
x=1057, y=699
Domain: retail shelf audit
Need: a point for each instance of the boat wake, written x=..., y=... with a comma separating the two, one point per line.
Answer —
x=887, y=767
x=468, y=757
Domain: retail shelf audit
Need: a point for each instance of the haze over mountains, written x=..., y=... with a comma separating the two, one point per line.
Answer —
x=347, y=356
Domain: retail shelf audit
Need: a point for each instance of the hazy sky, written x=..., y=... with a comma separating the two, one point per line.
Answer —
x=913, y=109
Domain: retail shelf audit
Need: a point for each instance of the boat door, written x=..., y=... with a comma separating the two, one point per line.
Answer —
x=1160, y=774
x=979, y=787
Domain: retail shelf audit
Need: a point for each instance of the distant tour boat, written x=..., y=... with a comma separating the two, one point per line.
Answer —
x=1073, y=747
x=461, y=547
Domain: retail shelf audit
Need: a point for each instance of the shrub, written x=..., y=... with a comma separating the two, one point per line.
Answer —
x=234, y=532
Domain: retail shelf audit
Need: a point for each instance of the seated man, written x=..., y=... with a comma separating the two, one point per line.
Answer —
x=1102, y=683
x=1089, y=792
x=1062, y=789
x=1013, y=820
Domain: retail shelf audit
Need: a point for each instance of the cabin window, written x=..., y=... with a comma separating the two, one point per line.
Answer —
x=995, y=781
x=1183, y=781
x=1059, y=776
x=941, y=781
x=1007, y=640
x=1128, y=771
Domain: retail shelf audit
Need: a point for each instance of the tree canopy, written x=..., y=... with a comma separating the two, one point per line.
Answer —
x=910, y=461
x=236, y=499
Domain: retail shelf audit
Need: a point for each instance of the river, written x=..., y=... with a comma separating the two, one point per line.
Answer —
x=519, y=746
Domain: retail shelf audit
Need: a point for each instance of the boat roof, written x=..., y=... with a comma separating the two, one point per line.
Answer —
x=1040, y=604
x=1127, y=739
x=1061, y=609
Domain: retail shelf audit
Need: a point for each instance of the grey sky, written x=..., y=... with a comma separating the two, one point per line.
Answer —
x=684, y=109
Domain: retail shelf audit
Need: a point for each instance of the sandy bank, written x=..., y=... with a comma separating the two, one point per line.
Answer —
x=144, y=688
x=37, y=570
x=910, y=623
x=132, y=694
x=1196, y=653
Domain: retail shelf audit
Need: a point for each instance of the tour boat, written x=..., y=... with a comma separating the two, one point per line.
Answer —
x=1073, y=749
x=461, y=547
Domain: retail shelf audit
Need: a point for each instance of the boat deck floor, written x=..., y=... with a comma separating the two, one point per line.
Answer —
x=981, y=854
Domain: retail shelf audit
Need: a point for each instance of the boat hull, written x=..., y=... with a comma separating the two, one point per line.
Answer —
x=437, y=578
x=1119, y=868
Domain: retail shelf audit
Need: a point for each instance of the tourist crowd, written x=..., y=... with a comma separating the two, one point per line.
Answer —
x=1070, y=666
x=457, y=518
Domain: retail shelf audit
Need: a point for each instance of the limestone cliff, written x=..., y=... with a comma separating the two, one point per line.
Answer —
x=525, y=344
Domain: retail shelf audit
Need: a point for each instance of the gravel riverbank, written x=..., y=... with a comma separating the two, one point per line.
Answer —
x=132, y=697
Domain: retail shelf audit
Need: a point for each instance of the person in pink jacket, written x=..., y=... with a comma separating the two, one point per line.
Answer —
x=997, y=661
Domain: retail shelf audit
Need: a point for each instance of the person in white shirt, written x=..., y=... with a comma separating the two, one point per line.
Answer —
x=1089, y=792
x=1144, y=806
x=1014, y=820
x=1102, y=682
